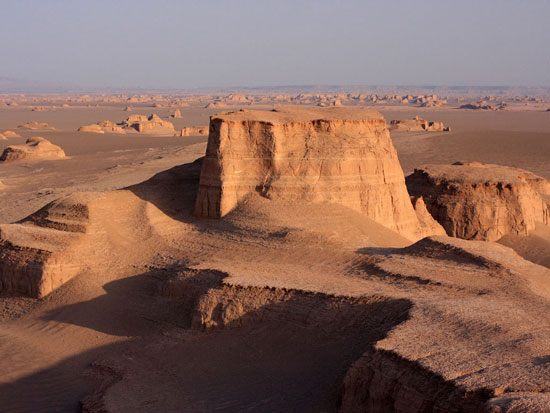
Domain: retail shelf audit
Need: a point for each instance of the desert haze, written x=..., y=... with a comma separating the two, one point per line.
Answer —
x=198, y=247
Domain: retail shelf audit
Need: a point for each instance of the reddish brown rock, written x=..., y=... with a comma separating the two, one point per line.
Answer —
x=151, y=124
x=482, y=201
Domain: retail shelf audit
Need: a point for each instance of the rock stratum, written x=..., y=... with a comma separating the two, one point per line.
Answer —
x=335, y=155
x=482, y=201
x=34, y=149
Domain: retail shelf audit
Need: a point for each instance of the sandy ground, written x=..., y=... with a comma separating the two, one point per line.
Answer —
x=47, y=346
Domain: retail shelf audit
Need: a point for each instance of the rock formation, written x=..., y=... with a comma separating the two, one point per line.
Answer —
x=104, y=126
x=152, y=124
x=2, y=137
x=482, y=201
x=483, y=106
x=10, y=134
x=36, y=126
x=418, y=124
x=35, y=148
x=335, y=155
x=194, y=131
x=54, y=244
x=176, y=114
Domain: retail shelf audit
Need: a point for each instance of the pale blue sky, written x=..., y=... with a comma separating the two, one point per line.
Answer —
x=184, y=44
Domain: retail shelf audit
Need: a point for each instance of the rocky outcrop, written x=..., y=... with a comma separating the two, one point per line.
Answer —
x=104, y=126
x=176, y=114
x=35, y=148
x=334, y=155
x=50, y=247
x=10, y=134
x=36, y=126
x=418, y=124
x=151, y=124
x=482, y=201
x=428, y=224
x=194, y=131
x=483, y=106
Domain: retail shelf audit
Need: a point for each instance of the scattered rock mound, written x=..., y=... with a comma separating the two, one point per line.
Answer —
x=335, y=155
x=151, y=124
x=36, y=126
x=482, y=201
x=194, y=131
x=10, y=134
x=418, y=124
x=105, y=126
x=35, y=148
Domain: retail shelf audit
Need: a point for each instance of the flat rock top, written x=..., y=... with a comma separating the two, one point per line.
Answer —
x=300, y=114
x=478, y=172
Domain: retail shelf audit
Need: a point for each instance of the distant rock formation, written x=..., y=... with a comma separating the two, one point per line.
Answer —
x=151, y=124
x=10, y=134
x=483, y=106
x=176, y=114
x=215, y=105
x=35, y=148
x=335, y=155
x=2, y=137
x=128, y=109
x=417, y=124
x=194, y=131
x=482, y=201
x=33, y=125
x=105, y=126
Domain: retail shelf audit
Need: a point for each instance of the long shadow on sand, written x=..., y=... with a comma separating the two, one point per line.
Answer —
x=284, y=356
x=289, y=355
x=174, y=192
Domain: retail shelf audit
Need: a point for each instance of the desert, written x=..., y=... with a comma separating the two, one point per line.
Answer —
x=170, y=244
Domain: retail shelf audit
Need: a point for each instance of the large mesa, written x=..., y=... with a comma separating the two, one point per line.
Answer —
x=335, y=155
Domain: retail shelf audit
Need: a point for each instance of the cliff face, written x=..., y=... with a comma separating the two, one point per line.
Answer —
x=482, y=201
x=336, y=155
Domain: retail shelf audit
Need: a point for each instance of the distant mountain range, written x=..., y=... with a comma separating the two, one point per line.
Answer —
x=10, y=85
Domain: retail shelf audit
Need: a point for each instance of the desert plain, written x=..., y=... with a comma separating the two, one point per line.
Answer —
x=319, y=258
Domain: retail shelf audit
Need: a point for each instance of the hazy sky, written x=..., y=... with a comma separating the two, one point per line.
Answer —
x=183, y=44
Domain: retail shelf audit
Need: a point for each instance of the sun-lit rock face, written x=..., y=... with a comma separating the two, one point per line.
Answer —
x=417, y=124
x=482, y=201
x=35, y=148
x=152, y=124
x=104, y=126
x=336, y=155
